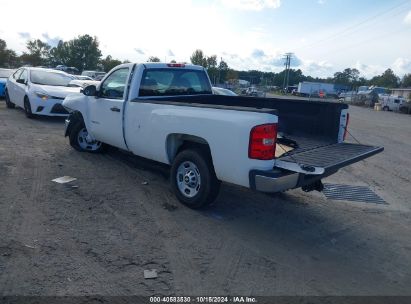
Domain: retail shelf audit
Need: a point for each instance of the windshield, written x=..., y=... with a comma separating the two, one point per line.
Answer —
x=5, y=73
x=50, y=78
x=168, y=82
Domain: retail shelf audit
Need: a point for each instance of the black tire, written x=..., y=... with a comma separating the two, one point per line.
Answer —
x=385, y=108
x=209, y=184
x=27, y=108
x=9, y=104
x=75, y=140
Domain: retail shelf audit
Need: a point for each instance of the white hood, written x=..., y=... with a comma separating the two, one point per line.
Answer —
x=55, y=91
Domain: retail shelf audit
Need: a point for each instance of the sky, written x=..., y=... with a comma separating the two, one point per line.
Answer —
x=325, y=36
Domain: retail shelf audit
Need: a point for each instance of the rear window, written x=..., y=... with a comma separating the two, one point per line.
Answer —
x=169, y=82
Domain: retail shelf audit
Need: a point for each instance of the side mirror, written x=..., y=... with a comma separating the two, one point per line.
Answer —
x=90, y=90
x=22, y=81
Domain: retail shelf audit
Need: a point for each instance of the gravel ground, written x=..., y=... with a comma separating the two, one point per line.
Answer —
x=121, y=219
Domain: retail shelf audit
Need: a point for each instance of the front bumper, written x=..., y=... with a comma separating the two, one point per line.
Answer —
x=50, y=107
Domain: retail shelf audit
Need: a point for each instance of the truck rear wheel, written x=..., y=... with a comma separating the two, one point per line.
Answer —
x=193, y=179
x=79, y=139
x=385, y=108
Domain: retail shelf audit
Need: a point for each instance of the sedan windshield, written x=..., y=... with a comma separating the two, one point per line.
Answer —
x=50, y=78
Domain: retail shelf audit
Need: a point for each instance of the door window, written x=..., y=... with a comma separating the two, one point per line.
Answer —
x=114, y=85
x=23, y=76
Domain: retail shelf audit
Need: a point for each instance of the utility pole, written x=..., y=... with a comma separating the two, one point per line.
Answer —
x=287, y=62
x=219, y=70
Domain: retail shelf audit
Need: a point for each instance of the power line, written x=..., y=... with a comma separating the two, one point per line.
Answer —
x=344, y=48
x=350, y=28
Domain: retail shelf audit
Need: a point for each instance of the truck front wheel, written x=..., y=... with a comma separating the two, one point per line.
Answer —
x=193, y=179
x=80, y=140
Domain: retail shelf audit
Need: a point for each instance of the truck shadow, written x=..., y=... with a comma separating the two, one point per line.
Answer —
x=309, y=217
x=307, y=237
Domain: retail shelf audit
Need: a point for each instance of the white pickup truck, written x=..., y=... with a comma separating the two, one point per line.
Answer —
x=167, y=113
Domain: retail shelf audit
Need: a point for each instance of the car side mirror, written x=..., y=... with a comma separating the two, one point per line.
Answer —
x=22, y=81
x=90, y=90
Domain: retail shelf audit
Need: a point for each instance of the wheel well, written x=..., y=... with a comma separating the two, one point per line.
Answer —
x=74, y=118
x=178, y=142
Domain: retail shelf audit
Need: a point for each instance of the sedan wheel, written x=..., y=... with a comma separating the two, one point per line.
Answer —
x=27, y=109
x=9, y=104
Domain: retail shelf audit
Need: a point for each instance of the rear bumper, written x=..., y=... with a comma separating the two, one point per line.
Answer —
x=273, y=180
x=278, y=180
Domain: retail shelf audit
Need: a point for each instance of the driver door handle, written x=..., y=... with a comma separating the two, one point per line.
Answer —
x=115, y=109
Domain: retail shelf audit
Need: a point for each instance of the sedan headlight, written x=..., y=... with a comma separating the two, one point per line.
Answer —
x=42, y=95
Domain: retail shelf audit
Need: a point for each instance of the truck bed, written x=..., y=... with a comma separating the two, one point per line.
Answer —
x=311, y=124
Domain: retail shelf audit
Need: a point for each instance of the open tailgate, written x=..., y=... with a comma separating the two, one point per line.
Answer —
x=327, y=158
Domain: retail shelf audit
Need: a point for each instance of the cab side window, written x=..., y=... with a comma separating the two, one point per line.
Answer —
x=17, y=73
x=114, y=85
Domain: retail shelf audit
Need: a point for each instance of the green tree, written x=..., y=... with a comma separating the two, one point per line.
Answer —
x=153, y=59
x=223, y=71
x=406, y=81
x=198, y=58
x=38, y=53
x=8, y=58
x=82, y=52
x=211, y=65
x=347, y=77
x=108, y=63
x=232, y=75
x=387, y=79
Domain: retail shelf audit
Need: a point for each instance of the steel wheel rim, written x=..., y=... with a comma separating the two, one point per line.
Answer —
x=188, y=179
x=84, y=143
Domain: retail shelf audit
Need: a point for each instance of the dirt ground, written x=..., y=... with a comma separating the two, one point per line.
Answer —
x=99, y=237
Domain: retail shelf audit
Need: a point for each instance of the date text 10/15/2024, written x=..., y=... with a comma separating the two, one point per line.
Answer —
x=203, y=299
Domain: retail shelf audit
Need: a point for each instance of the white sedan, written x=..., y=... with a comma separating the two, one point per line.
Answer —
x=222, y=91
x=39, y=91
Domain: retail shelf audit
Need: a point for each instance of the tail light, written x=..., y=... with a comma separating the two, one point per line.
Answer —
x=346, y=126
x=262, y=142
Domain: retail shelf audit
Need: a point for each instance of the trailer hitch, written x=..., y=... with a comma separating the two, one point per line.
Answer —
x=317, y=185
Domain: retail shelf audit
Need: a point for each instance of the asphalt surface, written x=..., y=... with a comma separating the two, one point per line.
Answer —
x=120, y=219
